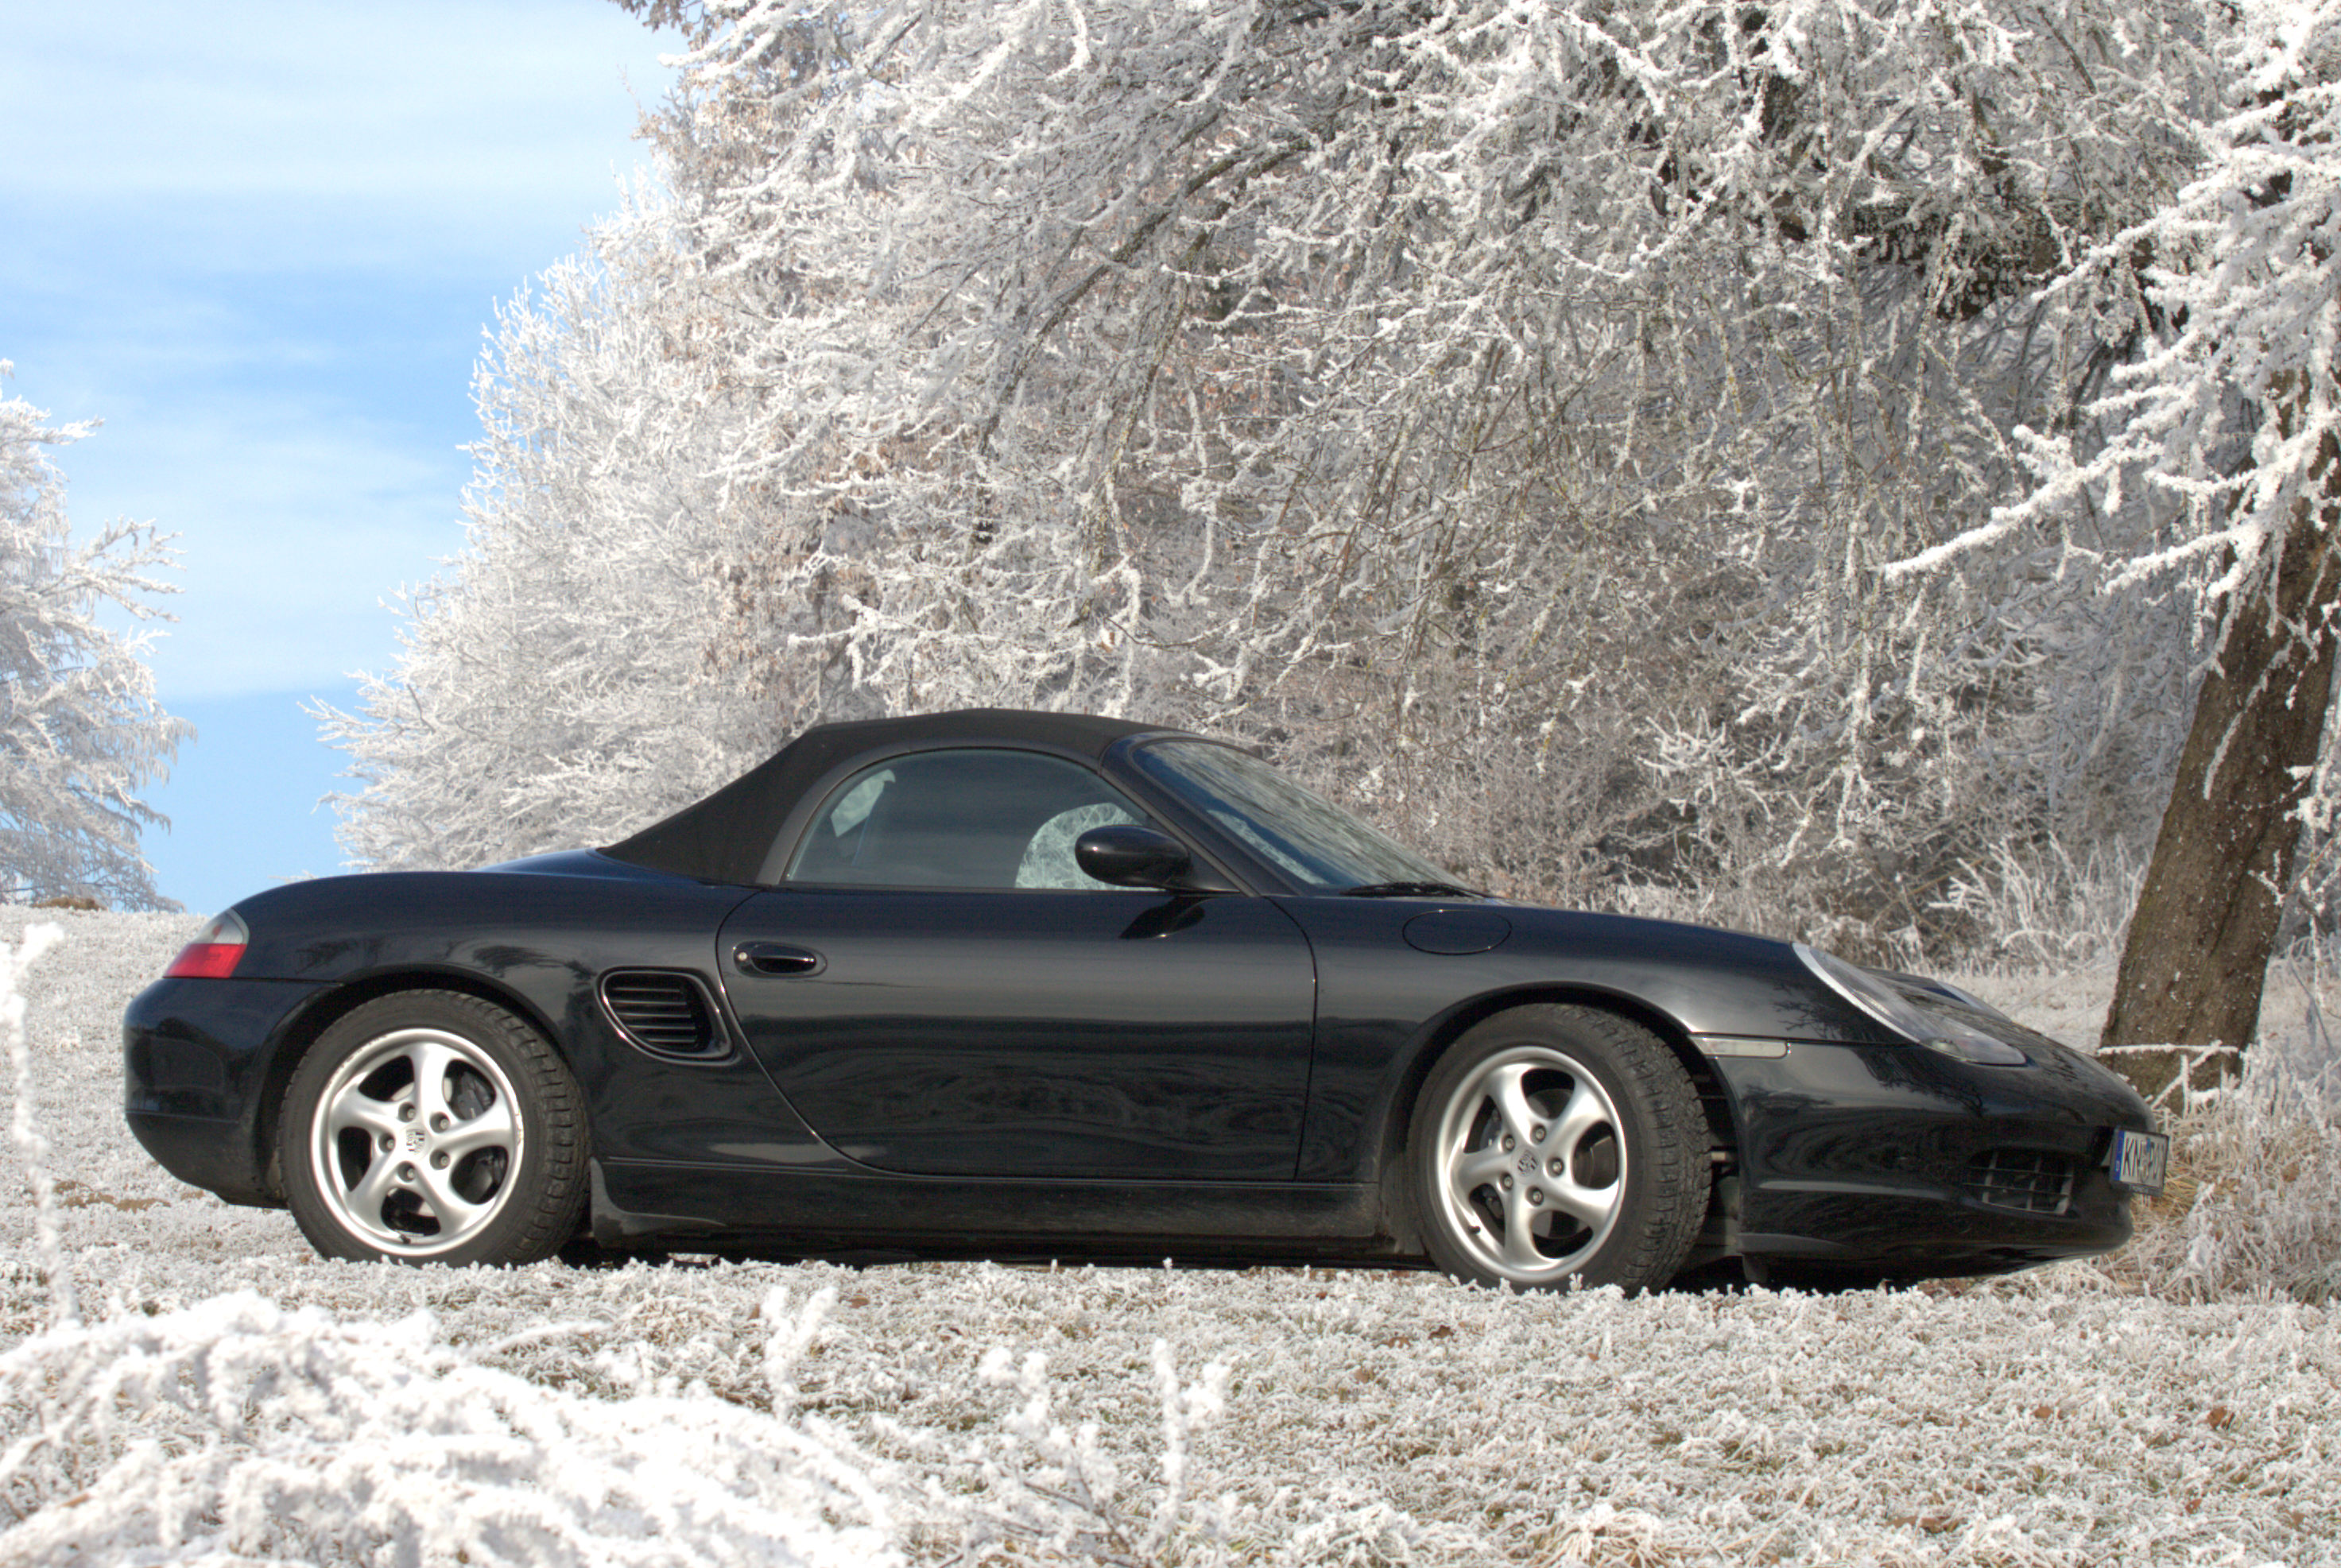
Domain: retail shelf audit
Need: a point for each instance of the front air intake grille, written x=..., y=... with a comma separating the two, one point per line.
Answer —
x=665, y=1013
x=2027, y=1179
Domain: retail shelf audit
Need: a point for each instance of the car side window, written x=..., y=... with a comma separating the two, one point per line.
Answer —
x=972, y=817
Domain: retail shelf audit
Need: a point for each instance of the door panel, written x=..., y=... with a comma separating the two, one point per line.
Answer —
x=1129, y=1035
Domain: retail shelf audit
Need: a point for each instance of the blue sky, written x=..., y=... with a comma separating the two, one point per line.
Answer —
x=260, y=240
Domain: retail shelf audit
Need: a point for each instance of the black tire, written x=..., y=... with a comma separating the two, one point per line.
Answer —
x=1554, y=1146
x=430, y=1126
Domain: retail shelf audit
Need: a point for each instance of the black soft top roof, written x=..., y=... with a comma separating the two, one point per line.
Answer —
x=725, y=836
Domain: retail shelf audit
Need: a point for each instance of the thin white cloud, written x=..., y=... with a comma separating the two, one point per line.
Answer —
x=259, y=242
x=293, y=531
x=409, y=127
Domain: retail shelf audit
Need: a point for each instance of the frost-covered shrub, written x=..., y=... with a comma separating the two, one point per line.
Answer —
x=236, y=1427
x=23, y=1128
x=2254, y=1208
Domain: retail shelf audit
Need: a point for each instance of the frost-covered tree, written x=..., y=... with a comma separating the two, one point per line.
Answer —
x=554, y=688
x=1509, y=414
x=2224, y=429
x=1518, y=402
x=80, y=732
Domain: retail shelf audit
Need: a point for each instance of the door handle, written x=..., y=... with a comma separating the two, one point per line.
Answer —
x=776, y=958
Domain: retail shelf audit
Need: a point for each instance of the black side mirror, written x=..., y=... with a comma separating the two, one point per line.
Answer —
x=1130, y=856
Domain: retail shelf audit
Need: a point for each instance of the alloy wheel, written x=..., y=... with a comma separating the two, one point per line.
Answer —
x=1532, y=1165
x=415, y=1142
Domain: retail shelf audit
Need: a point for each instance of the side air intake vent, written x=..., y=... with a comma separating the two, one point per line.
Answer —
x=665, y=1013
x=2027, y=1179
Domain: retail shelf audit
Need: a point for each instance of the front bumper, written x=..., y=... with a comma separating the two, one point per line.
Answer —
x=199, y=1060
x=1899, y=1160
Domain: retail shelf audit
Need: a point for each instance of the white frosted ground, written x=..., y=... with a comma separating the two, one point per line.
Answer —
x=550, y=1415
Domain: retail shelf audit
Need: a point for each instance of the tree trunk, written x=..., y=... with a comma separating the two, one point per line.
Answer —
x=2205, y=921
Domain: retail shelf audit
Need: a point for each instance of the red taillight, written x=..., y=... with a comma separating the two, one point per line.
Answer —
x=214, y=953
x=205, y=961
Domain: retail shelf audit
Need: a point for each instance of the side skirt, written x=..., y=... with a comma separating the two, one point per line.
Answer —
x=699, y=1206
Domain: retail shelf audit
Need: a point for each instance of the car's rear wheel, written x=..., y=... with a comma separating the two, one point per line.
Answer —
x=1553, y=1147
x=431, y=1127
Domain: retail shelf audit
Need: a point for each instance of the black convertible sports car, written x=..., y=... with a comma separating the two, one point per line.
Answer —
x=1001, y=983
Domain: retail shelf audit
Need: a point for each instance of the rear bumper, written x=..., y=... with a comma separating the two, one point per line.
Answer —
x=200, y=1069
x=1899, y=1160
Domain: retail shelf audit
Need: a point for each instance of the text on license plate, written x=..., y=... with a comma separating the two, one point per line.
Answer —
x=2139, y=1161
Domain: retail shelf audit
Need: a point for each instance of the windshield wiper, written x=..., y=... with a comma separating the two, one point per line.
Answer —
x=1410, y=890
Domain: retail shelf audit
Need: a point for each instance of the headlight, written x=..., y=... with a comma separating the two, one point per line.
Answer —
x=1939, y=1024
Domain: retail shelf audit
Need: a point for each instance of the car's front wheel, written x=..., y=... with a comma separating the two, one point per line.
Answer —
x=431, y=1127
x=1559, y=1145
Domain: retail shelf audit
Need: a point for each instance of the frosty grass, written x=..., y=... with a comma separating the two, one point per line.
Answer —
x=226, y=1396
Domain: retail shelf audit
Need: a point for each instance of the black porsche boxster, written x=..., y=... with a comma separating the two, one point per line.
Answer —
x=1004, y=983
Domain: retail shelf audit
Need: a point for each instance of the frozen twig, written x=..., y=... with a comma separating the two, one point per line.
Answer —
x=23, y=1125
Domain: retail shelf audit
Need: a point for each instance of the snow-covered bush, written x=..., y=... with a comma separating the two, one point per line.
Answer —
x=2254, y=1210
x=234, y=1429
x=24, y=1122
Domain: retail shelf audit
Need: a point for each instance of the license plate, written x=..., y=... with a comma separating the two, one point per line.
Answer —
x=2139, y=1161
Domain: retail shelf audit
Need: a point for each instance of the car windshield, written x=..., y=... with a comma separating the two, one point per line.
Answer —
x=1318, y=845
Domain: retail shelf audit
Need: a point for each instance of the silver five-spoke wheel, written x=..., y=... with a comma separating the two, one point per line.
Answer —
x=415, y=1140
x=434, y=1127
x=1534, y=1171
x=1557, y=1145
